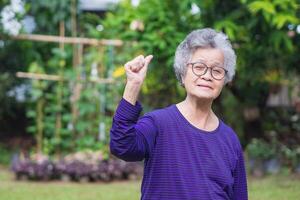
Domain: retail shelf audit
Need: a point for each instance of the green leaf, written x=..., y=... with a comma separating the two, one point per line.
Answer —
x=280, y=20
x=31, y=114
x=264, y=6
x=231, y=29
x=31, y=129
x=36, y=93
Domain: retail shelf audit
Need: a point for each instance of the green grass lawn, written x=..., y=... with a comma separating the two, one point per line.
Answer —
x=272, y=187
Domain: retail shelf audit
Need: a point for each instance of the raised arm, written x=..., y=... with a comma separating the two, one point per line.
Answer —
x=132, y=139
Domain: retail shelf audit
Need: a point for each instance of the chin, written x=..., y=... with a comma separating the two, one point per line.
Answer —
x=204, y=96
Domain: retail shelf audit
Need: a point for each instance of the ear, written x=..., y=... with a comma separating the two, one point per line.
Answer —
x=182, y=85
x=182, y=82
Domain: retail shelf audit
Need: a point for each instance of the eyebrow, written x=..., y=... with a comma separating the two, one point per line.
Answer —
x=214, y=63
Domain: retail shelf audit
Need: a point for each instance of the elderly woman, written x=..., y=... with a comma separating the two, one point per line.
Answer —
x=188, y=152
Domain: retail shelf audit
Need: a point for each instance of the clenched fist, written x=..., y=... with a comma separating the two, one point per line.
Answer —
x=136, y=69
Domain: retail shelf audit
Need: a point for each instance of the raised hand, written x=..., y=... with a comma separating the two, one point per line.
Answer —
x=136, y=71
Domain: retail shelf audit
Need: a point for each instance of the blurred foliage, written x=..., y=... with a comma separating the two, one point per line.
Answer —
x=260, y=149
x=48, y=14
x=6, y=155
x=91, y=119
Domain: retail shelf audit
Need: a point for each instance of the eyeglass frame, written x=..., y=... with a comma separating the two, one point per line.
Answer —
x=205, y=71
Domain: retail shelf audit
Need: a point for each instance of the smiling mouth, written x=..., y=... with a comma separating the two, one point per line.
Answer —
x=204, y=86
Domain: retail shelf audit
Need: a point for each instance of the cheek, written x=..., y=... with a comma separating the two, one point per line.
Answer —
x=189, y=83
x=189, y=77
x=219, y=89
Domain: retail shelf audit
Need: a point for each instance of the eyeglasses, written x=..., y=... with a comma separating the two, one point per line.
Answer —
x=200, y=68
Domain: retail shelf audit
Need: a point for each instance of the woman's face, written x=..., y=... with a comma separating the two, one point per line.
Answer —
x=204, y=86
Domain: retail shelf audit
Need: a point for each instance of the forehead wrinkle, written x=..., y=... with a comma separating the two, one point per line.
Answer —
x=213, y=62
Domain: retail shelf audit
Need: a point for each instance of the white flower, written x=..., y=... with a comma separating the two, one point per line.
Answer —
x=29, y=24
x=17, y=6
x=8, y=17
x=12, y=27
x=135, y=3
x=195, y=9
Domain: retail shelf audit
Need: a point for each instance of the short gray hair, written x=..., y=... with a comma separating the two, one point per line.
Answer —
x=204, y=38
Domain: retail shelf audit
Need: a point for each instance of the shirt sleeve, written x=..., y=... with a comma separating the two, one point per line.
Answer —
x=131, y=138
x=240, y=178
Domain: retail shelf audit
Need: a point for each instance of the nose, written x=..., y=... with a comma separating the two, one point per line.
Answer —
x=207, y=75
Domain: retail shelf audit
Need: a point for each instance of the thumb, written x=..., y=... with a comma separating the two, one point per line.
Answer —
x=148, y=60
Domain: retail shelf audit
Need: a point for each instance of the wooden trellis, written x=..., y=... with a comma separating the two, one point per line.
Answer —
x=78, y=43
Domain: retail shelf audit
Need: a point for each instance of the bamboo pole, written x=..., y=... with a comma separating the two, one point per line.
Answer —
x=40, y=125
x=76, y=86
x=59, y=95
x=66, y=40
x=37, y=76
x=48, y=77
x=62, y=34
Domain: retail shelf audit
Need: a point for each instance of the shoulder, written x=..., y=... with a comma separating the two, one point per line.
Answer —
x=161, y=112
x=161, y=116
x=231, y=136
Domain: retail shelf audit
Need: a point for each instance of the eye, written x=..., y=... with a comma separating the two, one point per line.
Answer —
x=199, y=66
x=218, y=70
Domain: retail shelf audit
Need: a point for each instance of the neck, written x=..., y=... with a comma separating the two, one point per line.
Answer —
x=198, y=111
x=201, y=106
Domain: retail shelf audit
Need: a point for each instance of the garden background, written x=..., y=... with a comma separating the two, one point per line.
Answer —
x=62, y=76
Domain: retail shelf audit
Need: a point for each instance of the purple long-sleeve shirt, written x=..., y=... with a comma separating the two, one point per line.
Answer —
x=180, y=161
